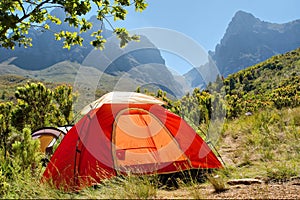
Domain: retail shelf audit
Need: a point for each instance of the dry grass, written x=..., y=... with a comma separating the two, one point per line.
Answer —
x=217, y=182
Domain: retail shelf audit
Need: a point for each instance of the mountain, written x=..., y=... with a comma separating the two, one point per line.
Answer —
x=91, y=82
x=248, y=41
x=202, y=75
x=113, y=60
x=46, y=51
x=140, y=62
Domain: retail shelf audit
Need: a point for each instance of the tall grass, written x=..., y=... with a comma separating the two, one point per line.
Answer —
x=268, y=144
x=217, y=182
x=125, y=187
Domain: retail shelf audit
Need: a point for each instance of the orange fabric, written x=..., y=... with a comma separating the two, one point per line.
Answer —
x=143, y=140
x=86, y=154
x=45, y=140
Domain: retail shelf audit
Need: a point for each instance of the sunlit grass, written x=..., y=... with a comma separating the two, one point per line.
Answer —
x=265, y=146
x=268, y=145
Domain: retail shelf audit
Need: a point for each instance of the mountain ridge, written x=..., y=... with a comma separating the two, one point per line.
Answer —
x=118, y=62
x=249, y=40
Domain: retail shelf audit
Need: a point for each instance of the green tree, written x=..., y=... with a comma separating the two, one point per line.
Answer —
x=65, y=98
x=38, y=106
x=5, y=124
x=196, y=108
x=18, y=16
x=37, y=101
x=26, y=151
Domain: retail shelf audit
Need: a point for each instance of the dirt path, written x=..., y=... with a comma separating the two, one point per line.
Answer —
x=288, y=190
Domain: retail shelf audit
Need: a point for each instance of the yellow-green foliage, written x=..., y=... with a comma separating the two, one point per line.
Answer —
x=200, y=109
x=39, y=106
x=21, y=163
x=272, y=83
x=20, y=157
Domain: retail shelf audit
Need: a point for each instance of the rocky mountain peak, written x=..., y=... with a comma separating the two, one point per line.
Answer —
x=241, y=22
x=248, y=41
x=242, y=16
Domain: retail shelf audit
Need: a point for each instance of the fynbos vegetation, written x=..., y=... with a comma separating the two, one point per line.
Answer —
x=264, y=144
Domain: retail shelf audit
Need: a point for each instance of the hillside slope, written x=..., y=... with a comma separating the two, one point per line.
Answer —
x=272, y=83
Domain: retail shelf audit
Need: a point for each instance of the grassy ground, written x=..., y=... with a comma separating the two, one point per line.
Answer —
x=263, y=146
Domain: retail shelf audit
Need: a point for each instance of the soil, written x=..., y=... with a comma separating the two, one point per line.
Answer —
x=287, y=190
x=283, y=190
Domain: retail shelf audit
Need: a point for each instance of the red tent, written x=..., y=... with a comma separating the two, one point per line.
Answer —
x=126, y=132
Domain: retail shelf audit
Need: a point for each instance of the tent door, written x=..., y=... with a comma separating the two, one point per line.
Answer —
x=142, y=143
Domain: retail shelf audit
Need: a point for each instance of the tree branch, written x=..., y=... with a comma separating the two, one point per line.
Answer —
x=56, y=6
x=25, y=16
x=23, y=9
x=109, y=23
x=36, y=8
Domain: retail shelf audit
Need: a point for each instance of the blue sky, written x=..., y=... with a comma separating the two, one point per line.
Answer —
x=205, y=21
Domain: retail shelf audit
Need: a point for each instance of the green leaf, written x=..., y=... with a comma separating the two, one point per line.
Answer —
x=54, y=19
x=140, y=5
x=119, y=12
x=46, y=26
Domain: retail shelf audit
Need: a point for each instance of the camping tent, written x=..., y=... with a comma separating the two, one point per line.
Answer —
x=125, y=132
x=48, y=136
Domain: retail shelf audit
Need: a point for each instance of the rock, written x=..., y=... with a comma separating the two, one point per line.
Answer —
x=244, y=181
x=248, y=113
x=295, y=180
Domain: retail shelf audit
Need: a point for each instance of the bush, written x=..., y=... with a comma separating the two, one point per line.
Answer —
x=20, y=156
